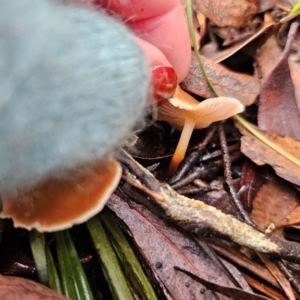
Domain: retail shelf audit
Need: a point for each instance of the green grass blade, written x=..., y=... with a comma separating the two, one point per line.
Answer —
x=295, y=8
x=189, y=8
x=53, y=277
x=37, y=244
x=74, y=282
x=66, y=274
x=127, y=257
x=109, y=261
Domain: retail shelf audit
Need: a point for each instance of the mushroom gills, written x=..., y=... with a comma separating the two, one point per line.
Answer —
x=186, y=113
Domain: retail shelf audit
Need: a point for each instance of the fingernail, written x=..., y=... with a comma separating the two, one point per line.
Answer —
x=164, y=82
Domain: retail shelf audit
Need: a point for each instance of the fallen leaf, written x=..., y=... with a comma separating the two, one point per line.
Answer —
x=273, y=202
x=219, y=199
x=228, y=83
x=232, y=36
x=267, y=56
x=251, y=181
x=246, y=262
x=264, y=5
x=278, y=111
x=263, y=288
x=282, y=280
x=223, y=54
x=292, y=218
x=233, y=293
x=163, y=247
x=286, y=4
x=295, y=75
x=261, y=153
x=13, y=288
x=227, y=12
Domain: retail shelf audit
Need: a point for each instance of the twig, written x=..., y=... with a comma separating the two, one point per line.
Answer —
x=289, y=276
x=198, y=217
x=216, y=259
x=228, y=186
x=217, y=153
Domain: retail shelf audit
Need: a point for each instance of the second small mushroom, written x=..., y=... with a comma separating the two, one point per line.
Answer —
x=59, y=203
x=186, y=113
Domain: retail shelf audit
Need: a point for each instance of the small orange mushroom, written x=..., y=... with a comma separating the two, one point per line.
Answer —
x=59, y=203
x=186, y=113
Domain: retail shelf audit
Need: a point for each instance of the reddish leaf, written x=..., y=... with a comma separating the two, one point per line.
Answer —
x=292, y=218
x=278, y=111
x=14, y=288
x=251, y=181
x=282, y=280
x=295, y=75
x=267, y=56
x=228, y=83
x=163, y=247
x=273, y=202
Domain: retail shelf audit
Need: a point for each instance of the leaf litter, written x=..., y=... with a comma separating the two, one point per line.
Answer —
x=278, y=111
x=170, y=231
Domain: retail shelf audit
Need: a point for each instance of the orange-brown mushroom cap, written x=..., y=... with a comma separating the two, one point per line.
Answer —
x=59, y=203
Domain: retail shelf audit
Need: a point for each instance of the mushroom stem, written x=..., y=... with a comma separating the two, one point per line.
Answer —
x=182, y=145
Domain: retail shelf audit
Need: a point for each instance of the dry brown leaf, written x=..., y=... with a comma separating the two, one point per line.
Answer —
x=232, y=36
x=233, y=293
x=286, y=4
x=227, y=12
x=164, y=247
x=251, y=181
x=169, y=248
x=262, y=154
x=228, y=83
x=284, y=283
x=15, y=288
x=292, y=218
x=273, y=202
x=278, y=111
x=264, y=5
x=223, y=54
x=264, y=289
x=267, y=56
x=245, y=262
x=295, y=75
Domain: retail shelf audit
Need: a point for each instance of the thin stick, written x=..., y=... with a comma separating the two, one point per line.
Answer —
x=228, y=178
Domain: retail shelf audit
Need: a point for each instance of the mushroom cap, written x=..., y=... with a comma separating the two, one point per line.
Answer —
x=183, y=106
x=59, y=203
x=67, y=96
